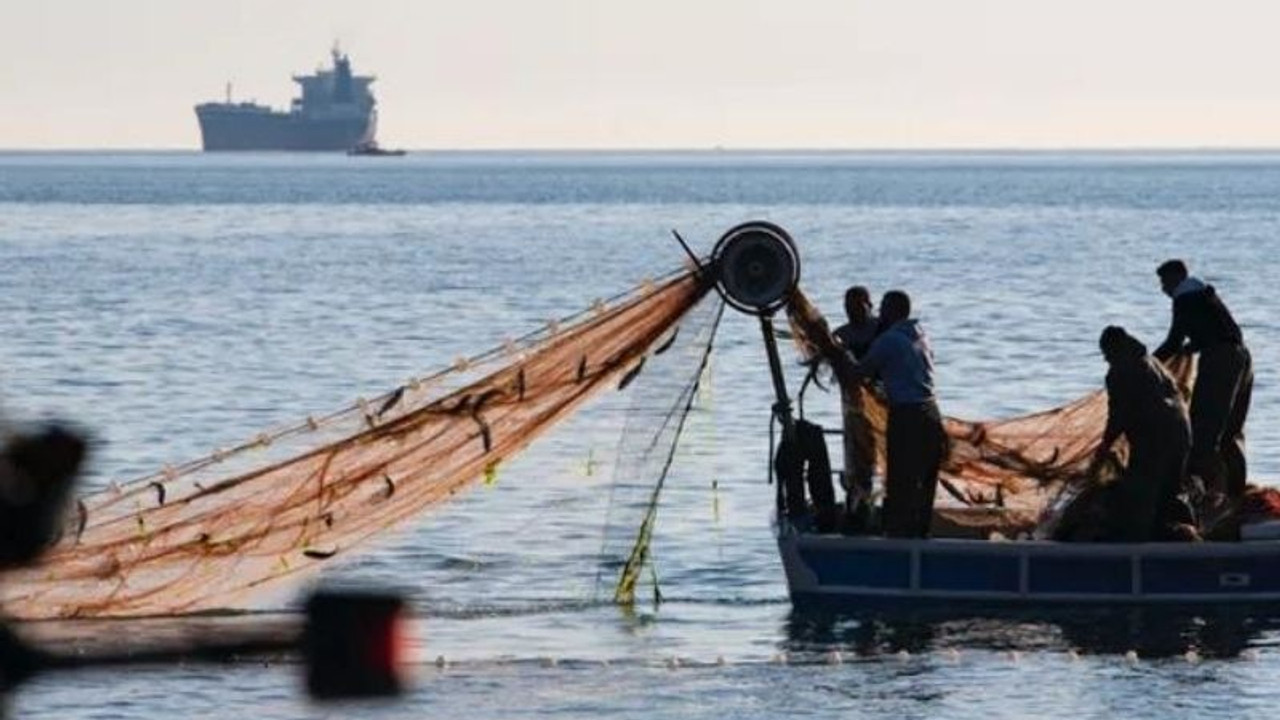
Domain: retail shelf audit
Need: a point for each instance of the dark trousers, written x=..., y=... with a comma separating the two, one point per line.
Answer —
x=1219, y=407
x=1146, y=498
x=915, y=445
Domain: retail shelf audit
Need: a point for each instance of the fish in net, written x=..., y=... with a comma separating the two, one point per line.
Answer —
x=211, y=533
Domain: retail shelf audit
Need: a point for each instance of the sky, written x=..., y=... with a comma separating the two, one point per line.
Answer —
x=774, y=74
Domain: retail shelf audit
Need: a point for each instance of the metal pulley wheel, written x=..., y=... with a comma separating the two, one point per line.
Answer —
x=756, y=267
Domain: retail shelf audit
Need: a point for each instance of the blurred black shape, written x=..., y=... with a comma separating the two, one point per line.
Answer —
x=37, y=472
x=352, y=645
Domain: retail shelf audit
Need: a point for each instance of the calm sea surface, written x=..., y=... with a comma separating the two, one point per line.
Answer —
x=175, y=303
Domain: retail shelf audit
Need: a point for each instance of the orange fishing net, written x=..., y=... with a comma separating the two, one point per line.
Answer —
x=205, y=534
x=1023, y=465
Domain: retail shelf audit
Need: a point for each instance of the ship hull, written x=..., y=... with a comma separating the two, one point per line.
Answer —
x=230, y=127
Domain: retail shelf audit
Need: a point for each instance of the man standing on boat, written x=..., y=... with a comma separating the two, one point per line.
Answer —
x=1224, y=378
x=856, y=337
x=915, y=440
x=1143, y=405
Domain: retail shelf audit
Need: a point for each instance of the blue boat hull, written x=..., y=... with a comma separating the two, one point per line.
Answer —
x=861, y=572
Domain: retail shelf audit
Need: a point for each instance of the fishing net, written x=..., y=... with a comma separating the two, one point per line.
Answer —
x=1012, y=473
x=206, y=534
x=655, y=421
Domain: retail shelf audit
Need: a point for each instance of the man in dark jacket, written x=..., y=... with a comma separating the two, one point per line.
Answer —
x=1143, y=405
x=1224, y=378
x=915, y=440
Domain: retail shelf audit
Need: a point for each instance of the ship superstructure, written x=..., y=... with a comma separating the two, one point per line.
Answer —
x=335, y=111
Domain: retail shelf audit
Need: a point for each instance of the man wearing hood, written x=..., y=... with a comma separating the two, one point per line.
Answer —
x=1224, y=378
x=1143, y=405
x=915, y=441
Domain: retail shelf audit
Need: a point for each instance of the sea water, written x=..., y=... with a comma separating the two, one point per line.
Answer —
x=174, y=303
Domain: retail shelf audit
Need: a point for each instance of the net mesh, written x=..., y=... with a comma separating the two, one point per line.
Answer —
x=207, y=534
x=655, y=421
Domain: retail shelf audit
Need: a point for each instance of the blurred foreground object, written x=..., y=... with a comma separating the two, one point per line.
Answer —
x=37, y=472
x=349, y=646
x=353, y=645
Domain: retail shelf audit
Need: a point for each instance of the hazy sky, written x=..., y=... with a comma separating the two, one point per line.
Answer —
x=662, y=73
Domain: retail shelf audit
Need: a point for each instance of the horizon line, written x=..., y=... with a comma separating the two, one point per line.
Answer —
x=942, y=149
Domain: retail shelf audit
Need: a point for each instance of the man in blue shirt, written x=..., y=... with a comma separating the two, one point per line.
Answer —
x=915, y=441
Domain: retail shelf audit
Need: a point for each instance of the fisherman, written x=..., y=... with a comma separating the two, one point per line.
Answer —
x=1143, y=405
x=857, y=334
x=859, y=440
x=1224, y=379
x=916, y=441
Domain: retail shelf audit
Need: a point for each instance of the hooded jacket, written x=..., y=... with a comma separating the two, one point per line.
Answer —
x=1200, y=321
x=1143, y=402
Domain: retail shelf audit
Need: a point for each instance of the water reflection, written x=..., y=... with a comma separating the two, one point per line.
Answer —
x=1212, y=632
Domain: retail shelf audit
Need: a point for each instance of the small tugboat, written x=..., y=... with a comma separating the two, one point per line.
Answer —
x=757, y=269
x=372, y=149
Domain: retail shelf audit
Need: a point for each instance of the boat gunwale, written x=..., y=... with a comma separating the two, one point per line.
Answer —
x=1036, y=547
x=805, y=587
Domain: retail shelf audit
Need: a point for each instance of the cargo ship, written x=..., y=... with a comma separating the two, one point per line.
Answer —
x=335, y=112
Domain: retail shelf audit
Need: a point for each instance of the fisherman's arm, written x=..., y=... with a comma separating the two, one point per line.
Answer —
x=1115, y=424
x=854, y=373
x=1176, y=339
x=1109, y=437
x=872, y=363
x=832, y=350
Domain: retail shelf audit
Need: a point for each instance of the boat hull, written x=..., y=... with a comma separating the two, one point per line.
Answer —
x=872, y=572
x=225, y=127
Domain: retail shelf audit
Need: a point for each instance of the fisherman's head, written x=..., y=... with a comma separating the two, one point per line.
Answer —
x=857, y=303
x=895, y=306
x=1172, y=273
x=1117, y=345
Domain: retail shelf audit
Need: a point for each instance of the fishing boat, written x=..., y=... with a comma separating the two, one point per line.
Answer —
x=757, y=271
x=853, y=572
